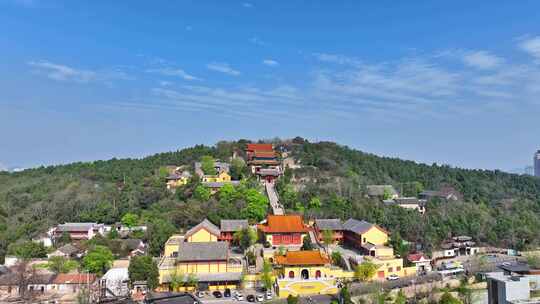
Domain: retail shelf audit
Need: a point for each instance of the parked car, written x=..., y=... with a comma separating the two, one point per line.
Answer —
x=393, y=277
x=506, y=264
x=269, y=295
x=239, y=296
x=250, y=298
x=200, y=294
x=217, y=294
x=260, y=298
x=227, y=293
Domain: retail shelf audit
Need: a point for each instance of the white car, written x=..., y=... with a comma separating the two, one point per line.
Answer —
x=506, y=264
x=260, y=298
x=269, y=295
x=239, y=296
x=200, y=294
x=393, y=277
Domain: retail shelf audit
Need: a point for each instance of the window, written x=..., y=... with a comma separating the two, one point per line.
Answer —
x=398, y=268
x=365, y=240
x=291, y=274
x=317, y=274
x=390, y=269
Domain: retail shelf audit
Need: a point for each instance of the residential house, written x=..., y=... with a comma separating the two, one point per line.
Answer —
x=447, y=193
x=73, y=282
x=230, y=227
x=9, y=284
x=218, y=166
x=205, y=231
x=45, y=238
x=208, y=262
x=135, y=247
x=421, y=262
x=215, y=186
x=177, y=179
x=412, y=203
x=66, y=251
x=301, y=273
x=333, y=225
x=512, y=287
x=365, y=236
x=40, y=282
x=457, y=246
x=115, y=283
x=382, y=191
x=284, y=230
x=172, y=244
x=79, y=231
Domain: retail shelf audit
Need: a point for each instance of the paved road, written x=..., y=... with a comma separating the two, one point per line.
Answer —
x=277, y=209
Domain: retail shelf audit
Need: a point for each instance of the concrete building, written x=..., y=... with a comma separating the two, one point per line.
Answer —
x=537, y=163
x=509, y=289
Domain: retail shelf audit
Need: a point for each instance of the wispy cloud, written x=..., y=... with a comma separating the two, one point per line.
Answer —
x=482, y=60
x=60, y=72
x=257, y=41
x=532, y=47
x=270, y=62
x=167, y=71
x=223, y=67
x=336, y=58
x=247, y=5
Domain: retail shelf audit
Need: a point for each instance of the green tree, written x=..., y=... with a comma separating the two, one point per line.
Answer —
x=365, y=271
x=327, y=238
x=400, y=298
x=113, y=234
x=238, y=169
x=315, y=203
x=130, y=220
x=65, y=238
x=159, y=232
x=447, y=298
x=27, y=250
x=208, y=165
x=59, y=264
x=292, y=299
x=227, y=193
x=144, y=268
x=202, y=193
x=177, y=280
x=257, y=205
x=267, y=275
x=98, y=260
x=336, y=258
x=192, y=280
x=345, y=296
x=306, y=243
x=246, y=237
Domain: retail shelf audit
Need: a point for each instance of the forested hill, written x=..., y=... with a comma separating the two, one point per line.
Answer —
x=499, y=208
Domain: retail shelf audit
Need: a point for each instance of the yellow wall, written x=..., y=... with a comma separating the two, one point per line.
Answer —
x=172, y=244
x=384, y=252
x=202, y=235
x=389, y=266
x=177, y=183
x=326, y=284
x=375, y=236
x=222, y=177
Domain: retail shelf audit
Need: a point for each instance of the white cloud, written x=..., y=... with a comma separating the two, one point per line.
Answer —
x=257, y=41
x=60, y=72
x=3, y=167
x=223, y=68
x=165, y=83
x=270, y=62
x=482, y=60
x=336, y=58
x=247, y=5
x=166, y=71
x=531, y=46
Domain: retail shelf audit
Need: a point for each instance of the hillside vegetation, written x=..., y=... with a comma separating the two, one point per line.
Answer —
x=498, y=208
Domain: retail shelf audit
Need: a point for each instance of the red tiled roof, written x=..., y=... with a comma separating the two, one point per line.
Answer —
x=260, y=147
x=283, y=223
x=314, y=257
x=74, y=278
x=414, y=257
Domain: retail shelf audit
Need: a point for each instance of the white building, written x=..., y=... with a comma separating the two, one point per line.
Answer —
x=510, y=289
x=115, y=282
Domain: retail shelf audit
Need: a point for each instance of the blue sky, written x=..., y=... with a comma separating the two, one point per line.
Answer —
x=455, y=82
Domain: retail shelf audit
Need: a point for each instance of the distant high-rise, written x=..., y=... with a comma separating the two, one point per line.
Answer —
x=537, y=163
